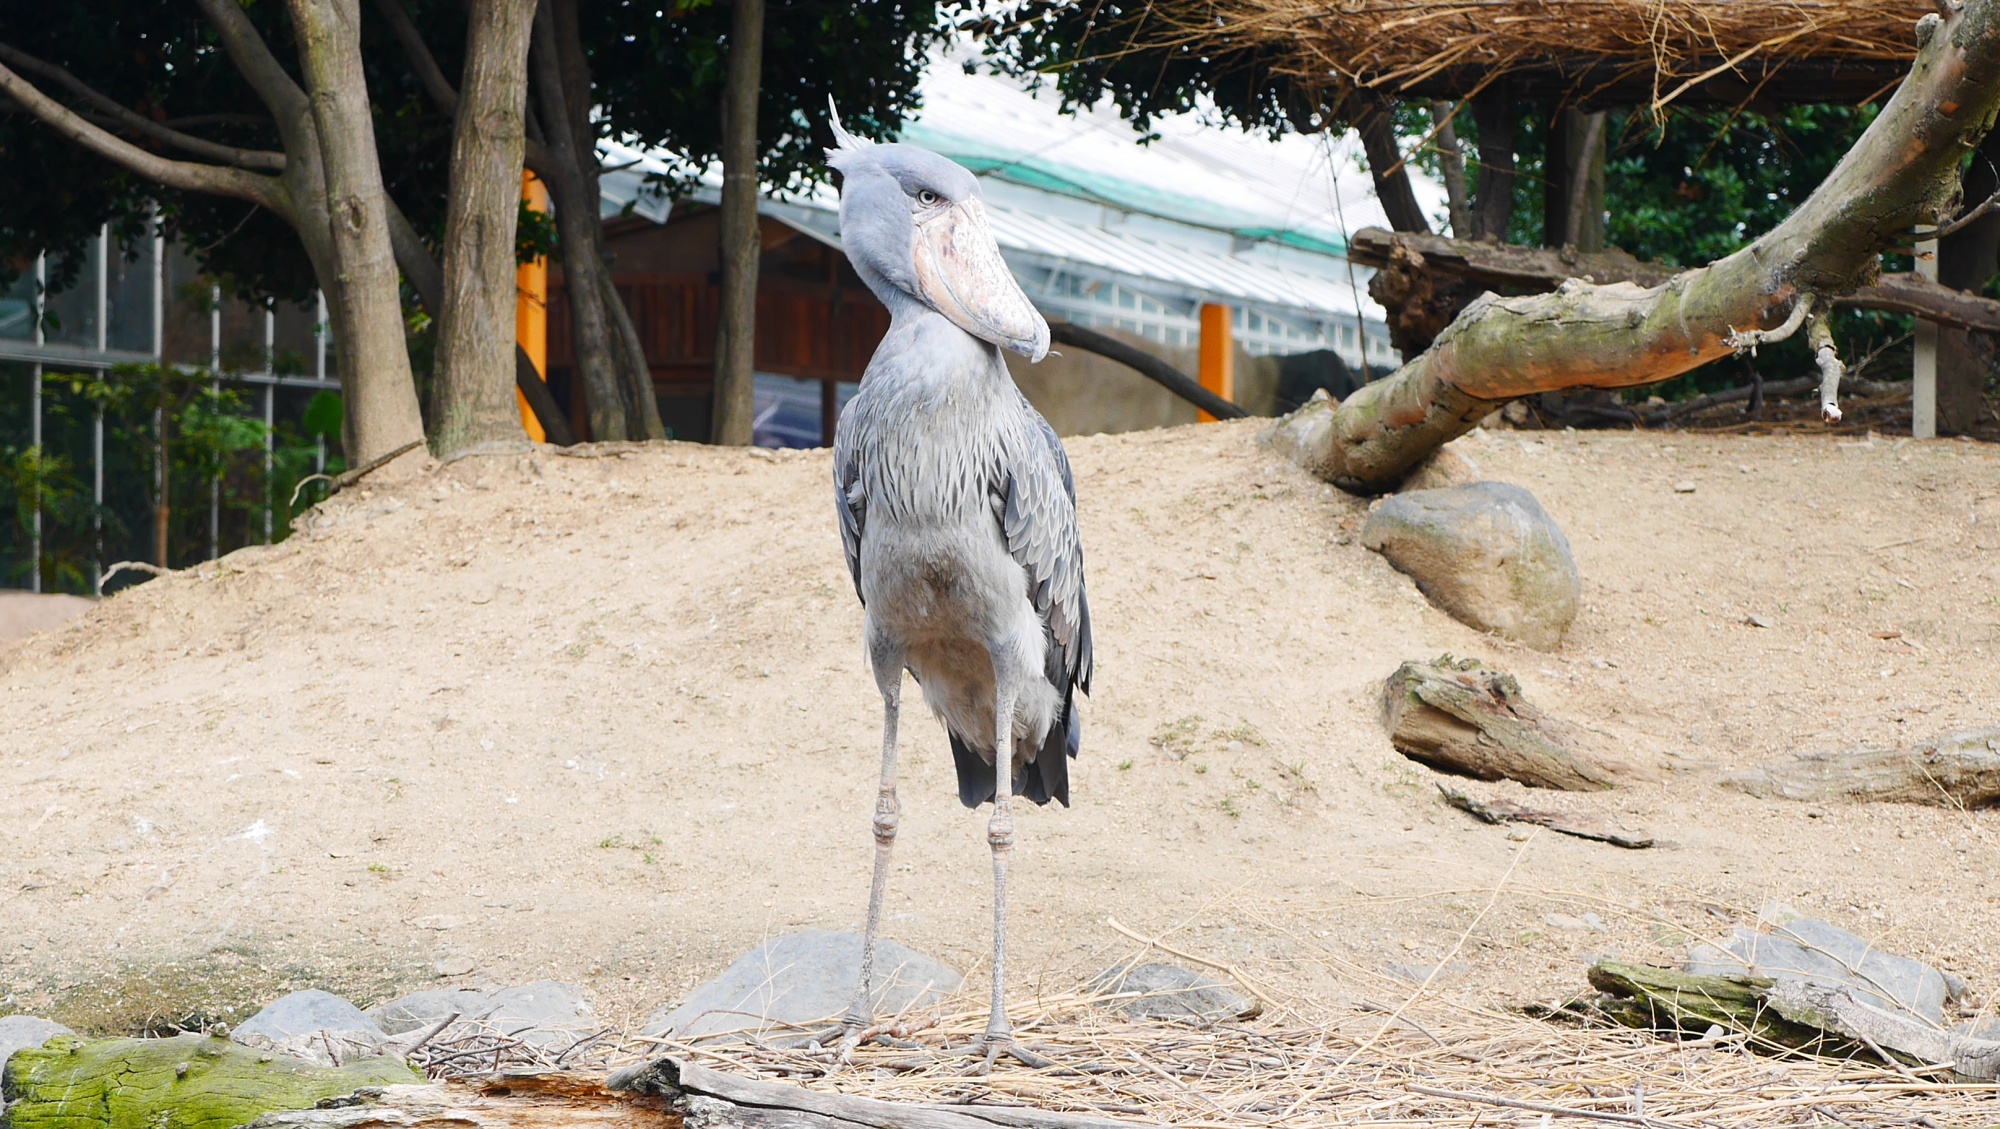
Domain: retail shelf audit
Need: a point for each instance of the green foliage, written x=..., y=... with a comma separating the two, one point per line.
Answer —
x=659, y=73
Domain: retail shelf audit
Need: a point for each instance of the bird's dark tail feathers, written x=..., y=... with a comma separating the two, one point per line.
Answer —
x=1045, y=778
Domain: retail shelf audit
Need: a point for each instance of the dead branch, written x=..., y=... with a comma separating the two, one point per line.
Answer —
x=1562, y=823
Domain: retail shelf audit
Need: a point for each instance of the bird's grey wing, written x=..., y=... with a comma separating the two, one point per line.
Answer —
x=1038, y=518
x=850, y=503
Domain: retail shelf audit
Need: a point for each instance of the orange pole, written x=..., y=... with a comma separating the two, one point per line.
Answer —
x=1218, y=355
x=531, y=308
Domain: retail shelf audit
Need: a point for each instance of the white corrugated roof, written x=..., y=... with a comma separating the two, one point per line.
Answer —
x=1203, y=213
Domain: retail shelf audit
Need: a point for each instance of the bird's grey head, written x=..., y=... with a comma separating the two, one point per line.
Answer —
x=914, y=228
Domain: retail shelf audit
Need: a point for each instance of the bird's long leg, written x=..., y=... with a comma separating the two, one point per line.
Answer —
x=888, y=813
x=999, y=1038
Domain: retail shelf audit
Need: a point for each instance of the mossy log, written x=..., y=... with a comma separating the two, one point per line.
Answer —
x=1661, y=999
x=1790, y=1013
x=1903, y=172
x=501, y=1101
x=186, y=1082
x=1958, y=770
x=1461, y=717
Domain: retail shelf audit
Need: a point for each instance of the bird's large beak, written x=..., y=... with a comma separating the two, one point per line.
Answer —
x=961, y=274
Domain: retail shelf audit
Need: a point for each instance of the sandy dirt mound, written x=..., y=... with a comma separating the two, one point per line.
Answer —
x=607, y=720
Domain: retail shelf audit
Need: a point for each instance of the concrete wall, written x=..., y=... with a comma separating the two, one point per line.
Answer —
x=1084, y=394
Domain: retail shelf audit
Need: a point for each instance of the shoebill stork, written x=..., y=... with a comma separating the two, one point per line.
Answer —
x=958, y=515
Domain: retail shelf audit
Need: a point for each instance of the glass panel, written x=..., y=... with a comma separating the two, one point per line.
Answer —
x=131, y=279
x=17, y=306
x=71, y=317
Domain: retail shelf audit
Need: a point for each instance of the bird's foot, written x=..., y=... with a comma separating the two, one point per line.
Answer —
x=990, y=1047
x=853, y=1032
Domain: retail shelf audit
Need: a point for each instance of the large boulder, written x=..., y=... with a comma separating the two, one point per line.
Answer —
x=25, y=1032
x=1486, y=553
x=789, y=983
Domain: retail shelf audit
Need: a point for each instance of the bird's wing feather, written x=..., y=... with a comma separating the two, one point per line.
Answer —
x=849, y=501
x=1038, y=518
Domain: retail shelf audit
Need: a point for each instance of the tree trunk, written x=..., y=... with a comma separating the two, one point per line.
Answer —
x=1377, y=125
x=474, y=387
x=1493, y=199
x=1903, y=171
x=1451, y=161
x=1966, y=259
x=1573, y=188
x=380, y=395
x=627, y=351
x=736, y=330
x=577, y=226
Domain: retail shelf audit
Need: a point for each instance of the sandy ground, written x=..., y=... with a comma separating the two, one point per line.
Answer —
x=607, y=720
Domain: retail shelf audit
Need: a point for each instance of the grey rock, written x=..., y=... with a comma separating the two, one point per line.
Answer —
x=423, y=1010
x=1487, y=554
x=1785, y=947
x=799, y=980
x=545, y=1013
x=1166, y=991
x=312, y=1025
x=24, y=1032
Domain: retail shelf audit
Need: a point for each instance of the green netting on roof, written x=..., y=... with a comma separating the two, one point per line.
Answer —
x=1125, y=194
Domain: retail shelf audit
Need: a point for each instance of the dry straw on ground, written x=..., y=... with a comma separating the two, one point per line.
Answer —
x=1439, y=1068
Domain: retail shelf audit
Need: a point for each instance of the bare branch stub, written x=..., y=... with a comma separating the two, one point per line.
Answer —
x=1830, y=369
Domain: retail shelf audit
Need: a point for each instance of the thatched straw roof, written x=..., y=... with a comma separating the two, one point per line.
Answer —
x=1595, y=51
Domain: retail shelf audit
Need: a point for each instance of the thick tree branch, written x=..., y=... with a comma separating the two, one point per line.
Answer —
x=1146, y=365
x=139, y=123
x=1901, y=173
x=285, y=98
x=421, y=60
x=186, y=175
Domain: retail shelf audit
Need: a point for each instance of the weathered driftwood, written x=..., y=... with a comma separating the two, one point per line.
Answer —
x=1562, y=823
x=1424, y=280
x=186, y=1082
x=1461, y=717
x=1904, y=171
x=1958, y=770
x=711, y=1098
x=504, y=1101
x=1785, y=1013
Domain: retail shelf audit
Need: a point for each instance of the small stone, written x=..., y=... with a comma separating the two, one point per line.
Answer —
x=1519, y=834
x=454, y=966
x=1683, y=487
x=1165, y=991
x=1760, y=621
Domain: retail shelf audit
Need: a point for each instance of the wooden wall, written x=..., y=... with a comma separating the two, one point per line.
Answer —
x=815, y=318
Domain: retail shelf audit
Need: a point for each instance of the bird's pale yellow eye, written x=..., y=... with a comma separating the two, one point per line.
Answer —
x=927, y=198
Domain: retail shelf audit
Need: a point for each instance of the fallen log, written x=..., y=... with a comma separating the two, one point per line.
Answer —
x=1461, y=717
x=1902, y=173
x=1415, y=272
x=1562, y=823
x=1958, y=770
x=1787, y=1013
x=714, y=1100
x=186, y=1082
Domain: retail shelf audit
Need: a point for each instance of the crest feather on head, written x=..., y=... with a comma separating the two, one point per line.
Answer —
x=847, y=146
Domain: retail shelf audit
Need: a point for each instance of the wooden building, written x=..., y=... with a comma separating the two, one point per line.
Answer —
x=816, y=321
